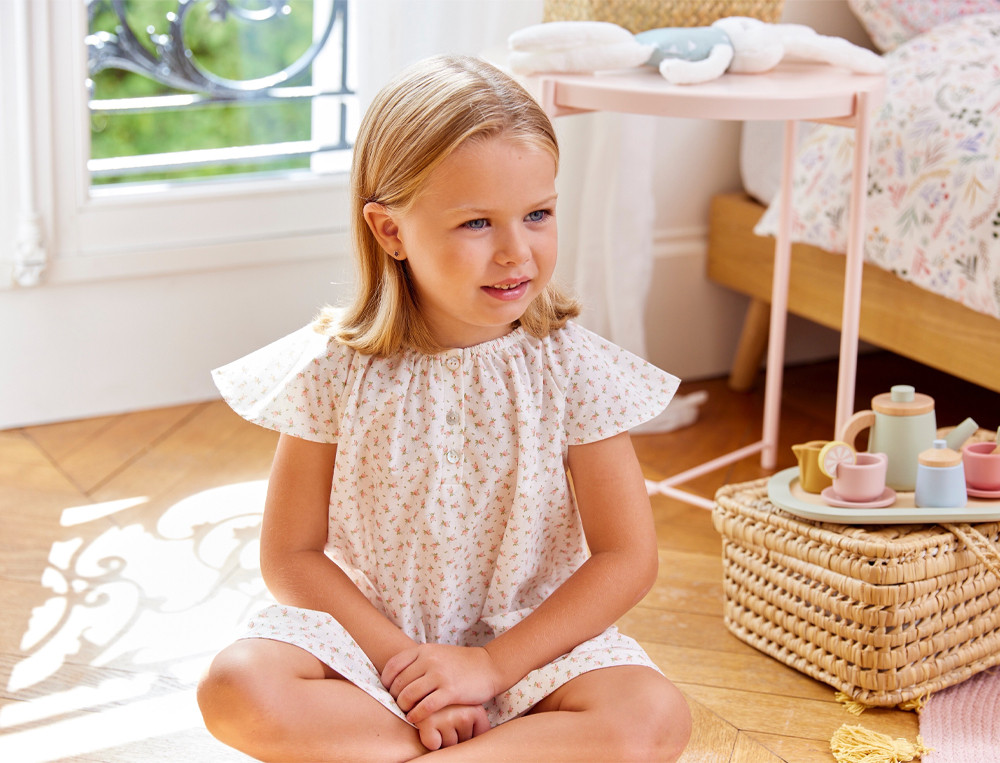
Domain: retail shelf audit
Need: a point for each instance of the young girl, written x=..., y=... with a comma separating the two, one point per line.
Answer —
x=455, y=516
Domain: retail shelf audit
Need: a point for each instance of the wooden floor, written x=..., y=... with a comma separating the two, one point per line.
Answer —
x=128, y=555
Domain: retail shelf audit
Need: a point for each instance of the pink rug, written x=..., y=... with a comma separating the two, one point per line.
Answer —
x=962, y=723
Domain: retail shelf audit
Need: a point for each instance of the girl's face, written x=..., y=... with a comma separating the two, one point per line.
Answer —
x=480, y=238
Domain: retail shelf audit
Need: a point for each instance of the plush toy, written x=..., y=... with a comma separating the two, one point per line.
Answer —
x=684, y=55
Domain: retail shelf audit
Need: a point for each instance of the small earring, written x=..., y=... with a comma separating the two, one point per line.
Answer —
x=395, y=255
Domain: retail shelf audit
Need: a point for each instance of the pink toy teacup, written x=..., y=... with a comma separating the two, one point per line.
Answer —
x=863, y=480
x=982, y=466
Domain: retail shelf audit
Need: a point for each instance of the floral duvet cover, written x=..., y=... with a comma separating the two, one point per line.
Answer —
x=933, y=208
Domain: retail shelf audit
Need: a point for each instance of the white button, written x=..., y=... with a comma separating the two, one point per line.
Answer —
x=451, y=418
x=453, y=363
x=453, y=456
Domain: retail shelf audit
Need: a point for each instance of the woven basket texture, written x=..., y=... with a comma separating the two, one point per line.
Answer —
x=884, y=613
x=639, y=15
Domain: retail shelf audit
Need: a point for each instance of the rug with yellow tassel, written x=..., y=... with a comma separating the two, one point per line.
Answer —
x=857, y=744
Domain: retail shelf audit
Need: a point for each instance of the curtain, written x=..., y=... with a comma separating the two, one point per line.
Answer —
x=392, y=34
x=607, y=208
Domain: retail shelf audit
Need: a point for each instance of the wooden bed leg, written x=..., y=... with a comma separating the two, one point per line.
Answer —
x=752, y=346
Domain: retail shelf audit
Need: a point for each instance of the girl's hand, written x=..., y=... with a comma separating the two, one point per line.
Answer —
x=453, y=724
x=430, y=677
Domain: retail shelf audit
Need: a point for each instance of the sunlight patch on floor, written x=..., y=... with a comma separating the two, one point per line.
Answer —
x=78, y=515
x=145, y=594
x=111, y=727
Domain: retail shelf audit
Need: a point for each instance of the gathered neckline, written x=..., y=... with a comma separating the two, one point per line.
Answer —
x=489, y=347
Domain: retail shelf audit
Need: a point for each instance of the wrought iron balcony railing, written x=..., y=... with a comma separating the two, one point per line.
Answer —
x=166, y=57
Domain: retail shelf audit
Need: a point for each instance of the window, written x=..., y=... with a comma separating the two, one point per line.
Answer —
x=157, y=205
x=181, y=91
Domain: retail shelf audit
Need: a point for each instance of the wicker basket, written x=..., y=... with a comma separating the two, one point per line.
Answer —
x=885, y=614
x=639, y=15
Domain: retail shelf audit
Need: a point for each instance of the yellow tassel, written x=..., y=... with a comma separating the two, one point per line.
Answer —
x=853, y=706
x=916, y=704
x=856, y=707
x=856, y=744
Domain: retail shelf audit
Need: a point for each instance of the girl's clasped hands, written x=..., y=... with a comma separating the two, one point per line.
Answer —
x=441, y=689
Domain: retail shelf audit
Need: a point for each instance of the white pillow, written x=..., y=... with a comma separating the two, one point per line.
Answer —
x=575, y=47
x=561, y=35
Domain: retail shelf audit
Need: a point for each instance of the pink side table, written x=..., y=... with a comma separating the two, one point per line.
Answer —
x=793, y=92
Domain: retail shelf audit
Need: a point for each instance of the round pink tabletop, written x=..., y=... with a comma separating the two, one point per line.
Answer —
x=793, y=90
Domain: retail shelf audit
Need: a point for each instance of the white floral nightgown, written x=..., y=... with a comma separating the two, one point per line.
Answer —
x=450, y=508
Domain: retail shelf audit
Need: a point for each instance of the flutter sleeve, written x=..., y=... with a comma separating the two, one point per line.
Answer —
x=607, y=389
x=293, y=385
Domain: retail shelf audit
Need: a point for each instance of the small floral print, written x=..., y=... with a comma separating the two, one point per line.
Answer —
x=451, y=509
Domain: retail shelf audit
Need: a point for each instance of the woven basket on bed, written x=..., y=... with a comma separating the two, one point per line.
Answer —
x=886, y=614
x=639, y=15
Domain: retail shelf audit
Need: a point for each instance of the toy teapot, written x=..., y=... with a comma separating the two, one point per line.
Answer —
x=902, y=426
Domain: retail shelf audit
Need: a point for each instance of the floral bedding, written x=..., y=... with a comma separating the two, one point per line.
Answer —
x=933, y=209
x=890, y=23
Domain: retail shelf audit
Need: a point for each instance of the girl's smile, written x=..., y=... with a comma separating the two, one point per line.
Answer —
x=479, y=240
x=513, y=290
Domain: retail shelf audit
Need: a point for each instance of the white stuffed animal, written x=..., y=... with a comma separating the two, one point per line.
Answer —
x=684, y=55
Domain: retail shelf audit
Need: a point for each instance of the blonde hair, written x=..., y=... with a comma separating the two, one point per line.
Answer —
x=411, y=127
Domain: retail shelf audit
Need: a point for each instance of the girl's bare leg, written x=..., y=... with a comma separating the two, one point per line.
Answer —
x=626, y=713
x=277, y=702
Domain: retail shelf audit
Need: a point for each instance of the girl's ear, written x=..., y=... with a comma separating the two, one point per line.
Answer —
x=383, y=227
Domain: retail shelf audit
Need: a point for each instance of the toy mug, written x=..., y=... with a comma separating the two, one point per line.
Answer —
x=862, y=481
x=811, y=477
x=940, y=478
x=982, y=466
x=902, y=426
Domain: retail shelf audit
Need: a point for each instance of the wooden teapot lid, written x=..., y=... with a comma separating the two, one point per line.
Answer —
x=902, y=400
x=940, y=456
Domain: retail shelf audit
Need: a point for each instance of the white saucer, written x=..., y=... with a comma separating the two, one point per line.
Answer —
x=886, y=499
x=976, y=493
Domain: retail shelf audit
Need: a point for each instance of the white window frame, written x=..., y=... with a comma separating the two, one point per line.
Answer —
x=87, y=236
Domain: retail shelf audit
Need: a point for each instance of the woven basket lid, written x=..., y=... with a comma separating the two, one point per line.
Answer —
x=902, y=400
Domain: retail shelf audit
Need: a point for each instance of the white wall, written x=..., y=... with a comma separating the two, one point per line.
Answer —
x=86, y=349
x=83, y=350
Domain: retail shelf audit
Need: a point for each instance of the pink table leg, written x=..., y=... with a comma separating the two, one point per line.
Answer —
x=853, y=267
x=779, y=304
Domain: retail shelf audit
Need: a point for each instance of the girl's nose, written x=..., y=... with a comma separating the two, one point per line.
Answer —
x=513, y=249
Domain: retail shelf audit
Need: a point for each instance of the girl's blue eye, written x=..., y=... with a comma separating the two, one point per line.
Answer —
x=476, y=224
x=537, y=216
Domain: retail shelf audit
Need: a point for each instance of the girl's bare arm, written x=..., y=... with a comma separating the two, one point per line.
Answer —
x=293, y=535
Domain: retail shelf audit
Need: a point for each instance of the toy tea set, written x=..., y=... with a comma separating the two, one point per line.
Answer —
x=910, y=473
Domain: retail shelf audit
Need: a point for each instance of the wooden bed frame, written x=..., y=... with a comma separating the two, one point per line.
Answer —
x=895, y=315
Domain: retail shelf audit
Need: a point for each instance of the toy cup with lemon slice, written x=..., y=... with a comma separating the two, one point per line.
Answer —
x=857, y=477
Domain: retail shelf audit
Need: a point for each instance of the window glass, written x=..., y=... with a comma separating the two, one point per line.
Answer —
x=182, y=91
